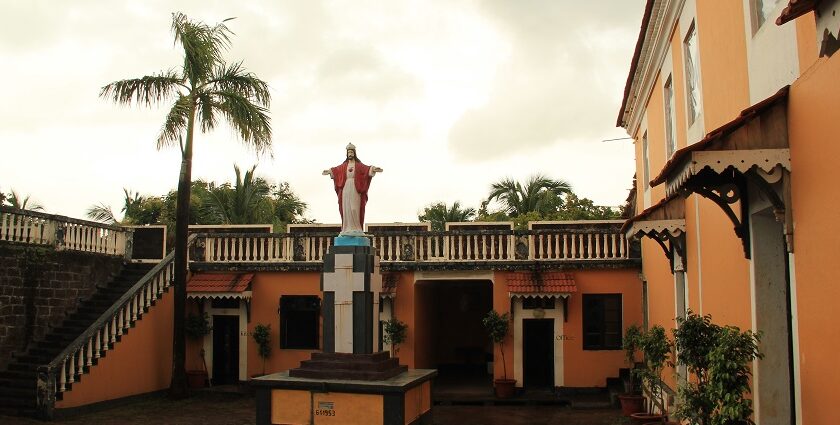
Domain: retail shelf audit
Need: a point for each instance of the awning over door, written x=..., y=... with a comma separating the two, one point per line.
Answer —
x=750, y=151
x=220, y=285
x=541, y=284
x=665, y=224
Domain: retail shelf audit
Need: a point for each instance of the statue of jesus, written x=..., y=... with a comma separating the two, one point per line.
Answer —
x=352, y=197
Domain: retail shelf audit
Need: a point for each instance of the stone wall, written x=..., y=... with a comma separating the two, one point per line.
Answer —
x=39, y=287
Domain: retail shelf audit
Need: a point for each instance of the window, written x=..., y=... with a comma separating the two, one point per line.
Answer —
x=762, y=11
x=670, y=137
x=692, y=74
x=645, y=160
x=299, y=320
x=602, y=321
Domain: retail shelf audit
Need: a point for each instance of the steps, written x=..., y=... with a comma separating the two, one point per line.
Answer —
x=19, y=381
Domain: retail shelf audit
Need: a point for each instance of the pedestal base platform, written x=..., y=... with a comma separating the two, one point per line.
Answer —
x=364, y=367
x=400, y=400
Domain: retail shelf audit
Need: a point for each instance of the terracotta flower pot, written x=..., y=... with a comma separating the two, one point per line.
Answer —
x=631, y=403
x=505, y=388
x=197, y=378
x=642, y=418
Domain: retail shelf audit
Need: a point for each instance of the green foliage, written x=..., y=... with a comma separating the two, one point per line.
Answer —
x=196, y=326
x=438, y=213
x=395, y=334
x=262, y=336
x=630, y=344
x=497, y=327
x=539, y=193
x=15, y=200
x=656, y=348
x=719, y=358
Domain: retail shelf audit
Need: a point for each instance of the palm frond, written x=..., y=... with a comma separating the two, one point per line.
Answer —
x=249, y=120
x=23, y=203
x=202, y=44
x=101, y=213
x=144, y=90
x=234, y=78
x=206, y=109
x=176, y=122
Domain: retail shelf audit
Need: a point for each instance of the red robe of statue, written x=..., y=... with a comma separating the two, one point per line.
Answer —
x=362, y=179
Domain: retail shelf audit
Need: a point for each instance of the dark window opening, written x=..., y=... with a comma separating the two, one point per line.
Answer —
x=544, y=303
x=299, y=320
x=602, y=322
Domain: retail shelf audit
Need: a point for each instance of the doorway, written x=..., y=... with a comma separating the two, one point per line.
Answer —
x=538, y=353
x=225, y=349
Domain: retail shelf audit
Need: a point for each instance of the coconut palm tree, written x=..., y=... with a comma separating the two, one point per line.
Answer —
x=132, y=206
x=438, y=213
x=203, y=90
x=22, y=203
x=246, y=201
x=537, y=194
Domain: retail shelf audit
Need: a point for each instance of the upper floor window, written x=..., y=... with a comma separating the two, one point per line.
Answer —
x=692, y=74
x=670, y=136
x=762, y=10
x=646, y=160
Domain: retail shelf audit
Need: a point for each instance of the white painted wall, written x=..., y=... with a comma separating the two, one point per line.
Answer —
x=243, y=337
x=771, y=53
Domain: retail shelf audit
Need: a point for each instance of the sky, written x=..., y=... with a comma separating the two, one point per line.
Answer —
x=447, y=96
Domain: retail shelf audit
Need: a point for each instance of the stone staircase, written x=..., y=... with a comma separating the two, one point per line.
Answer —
x=18, y=382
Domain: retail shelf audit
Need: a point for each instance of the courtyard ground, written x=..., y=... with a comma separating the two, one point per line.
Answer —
x=210, y=408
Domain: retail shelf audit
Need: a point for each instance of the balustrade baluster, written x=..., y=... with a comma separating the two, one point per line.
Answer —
x=80, y=358
x=597, y=253
x=398, y=248
x=120, y=322
x=62, y=377
x=90, y=352
x=622, y=246
x=71, y=375
x=135, y=305
x=98, y=351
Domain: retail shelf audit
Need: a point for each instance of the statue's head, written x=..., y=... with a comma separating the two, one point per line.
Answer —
x=351, y=151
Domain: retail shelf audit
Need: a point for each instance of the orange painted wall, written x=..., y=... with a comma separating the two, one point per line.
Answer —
x=140, y=363
x=587, y=368
x=723, y=61
x=501, y=303
x=404, y=311
x=806, y=41
x=814, y=123
x=267, y=287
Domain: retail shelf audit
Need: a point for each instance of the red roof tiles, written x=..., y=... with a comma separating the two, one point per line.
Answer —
x=795, y=9
x=389, y=282
x=543, y=283
x=219, y=282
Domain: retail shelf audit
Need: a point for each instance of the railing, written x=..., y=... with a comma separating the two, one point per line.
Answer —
x=63, y=233
x=79, y=356
x=593, y=241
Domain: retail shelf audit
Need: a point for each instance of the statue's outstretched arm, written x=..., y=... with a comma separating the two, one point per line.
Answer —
x=326, y=173
x=374, y=170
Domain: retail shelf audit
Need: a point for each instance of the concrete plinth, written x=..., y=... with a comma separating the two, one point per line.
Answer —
x=403, y=399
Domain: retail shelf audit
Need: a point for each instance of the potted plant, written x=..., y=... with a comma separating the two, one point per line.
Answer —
x=631, y=401
x=497, y=328
x=718, y=358
x=196, y=326
x=656, y=348
x=395, y=332
x=262, y=336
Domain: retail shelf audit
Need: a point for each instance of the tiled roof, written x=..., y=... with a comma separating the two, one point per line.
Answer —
x=795, y=9
x=544, y=283
x=219, y=282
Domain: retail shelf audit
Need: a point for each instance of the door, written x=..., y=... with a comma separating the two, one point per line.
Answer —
x=225, y=350
x=538, y=353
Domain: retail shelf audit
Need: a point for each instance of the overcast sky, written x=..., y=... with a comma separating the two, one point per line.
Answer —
x=447, y=96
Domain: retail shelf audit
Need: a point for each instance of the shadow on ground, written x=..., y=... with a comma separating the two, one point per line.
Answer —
x=212, y=408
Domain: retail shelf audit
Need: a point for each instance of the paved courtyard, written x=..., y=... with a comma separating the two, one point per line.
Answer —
x=208, y=408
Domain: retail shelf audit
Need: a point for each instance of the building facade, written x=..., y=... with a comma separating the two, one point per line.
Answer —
x=731, y=105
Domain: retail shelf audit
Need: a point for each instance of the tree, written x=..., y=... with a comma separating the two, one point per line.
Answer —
x=246, y=201
x=438, y=213
x=14, y=200
x=136, y=210
x=205, y=89
x=539, y=193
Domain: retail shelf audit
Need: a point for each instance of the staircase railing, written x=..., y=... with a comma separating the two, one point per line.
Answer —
x=63, y=233
x=78, y=357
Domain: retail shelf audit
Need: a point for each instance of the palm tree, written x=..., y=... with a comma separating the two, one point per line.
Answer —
x=438, y=213
x=205, y=89
x=131, y=207
x=246, y=202
x=538, y=193
x=22, y=203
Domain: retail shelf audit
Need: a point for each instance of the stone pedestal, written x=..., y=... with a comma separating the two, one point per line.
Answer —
x=348, y=383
